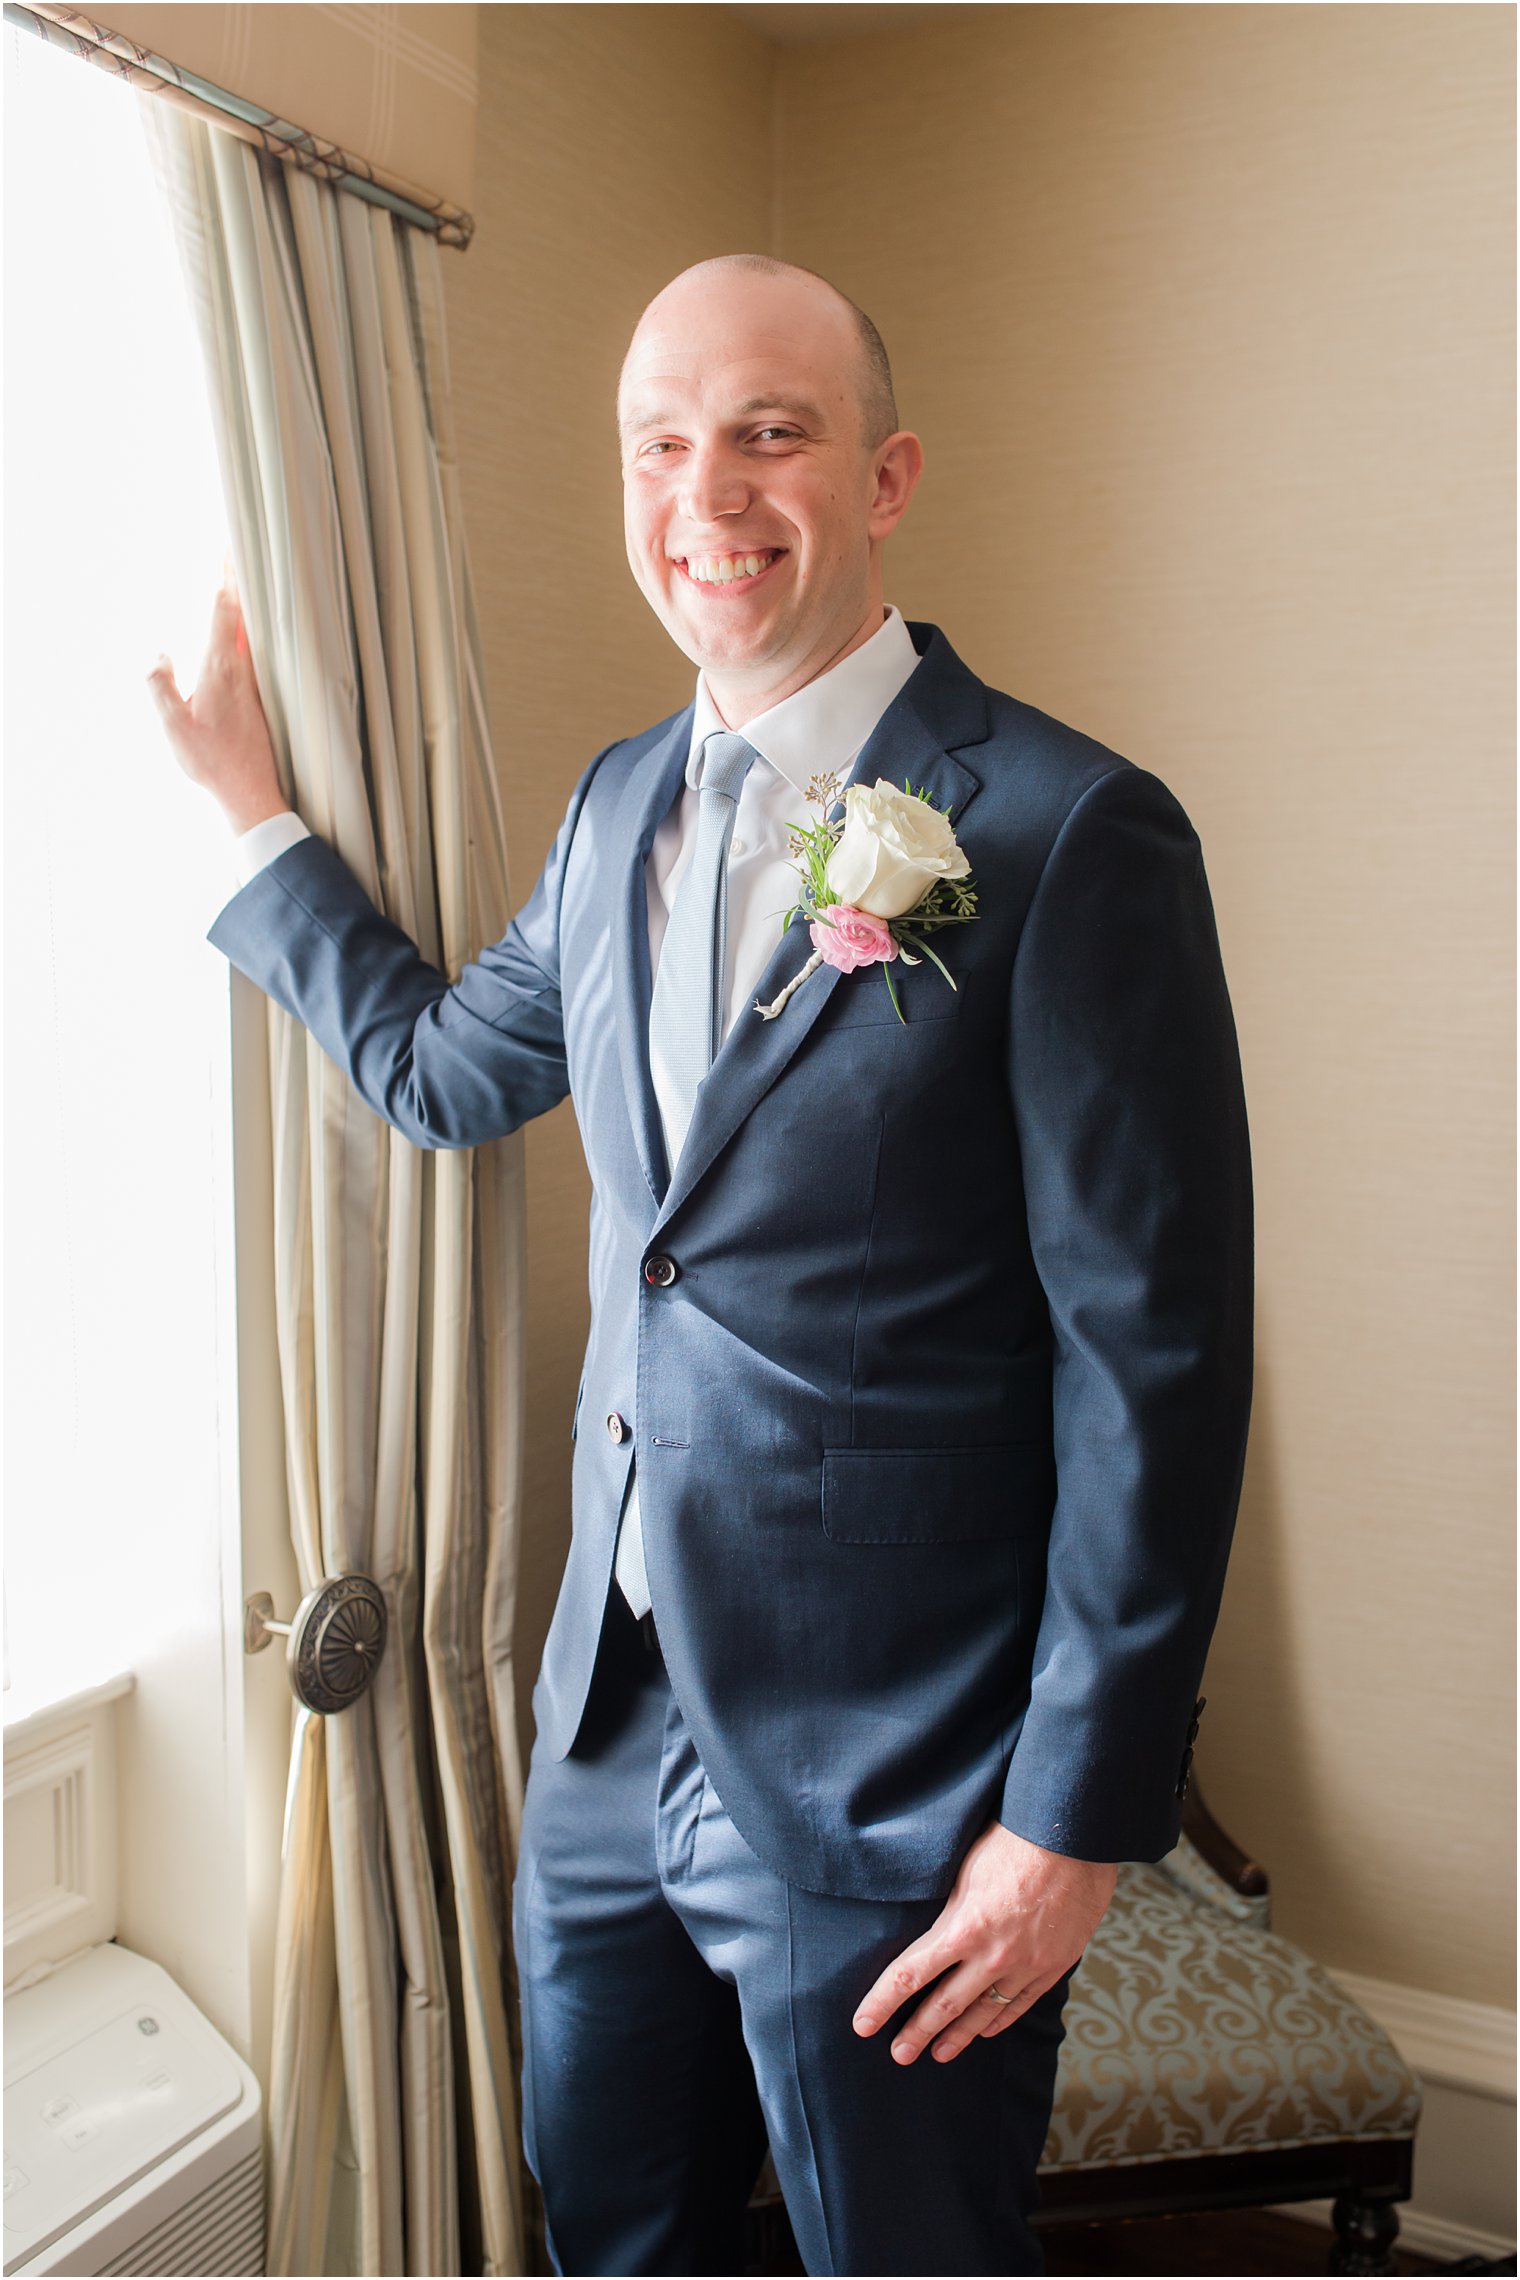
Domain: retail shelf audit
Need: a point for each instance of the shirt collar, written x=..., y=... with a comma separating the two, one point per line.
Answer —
x=822, y=725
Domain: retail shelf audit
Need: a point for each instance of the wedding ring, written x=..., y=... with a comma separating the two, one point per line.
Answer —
x=997, y=1998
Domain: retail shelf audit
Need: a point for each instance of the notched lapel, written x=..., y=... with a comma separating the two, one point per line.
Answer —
x=646, y=800
x=755, y=1051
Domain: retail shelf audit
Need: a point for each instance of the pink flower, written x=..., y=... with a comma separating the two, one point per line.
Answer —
x=852, y=938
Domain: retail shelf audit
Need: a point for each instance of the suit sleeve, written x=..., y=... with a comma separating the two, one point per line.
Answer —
x=1130, y=1110
x=449, y=1065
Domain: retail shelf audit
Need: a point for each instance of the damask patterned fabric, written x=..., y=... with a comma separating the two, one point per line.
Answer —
x=1191, y=2028
x=1186, y=1867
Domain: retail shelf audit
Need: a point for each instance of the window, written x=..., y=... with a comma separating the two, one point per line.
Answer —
x=117, y=1214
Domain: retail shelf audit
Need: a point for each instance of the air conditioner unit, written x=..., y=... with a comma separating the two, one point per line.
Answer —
x=133, y=2131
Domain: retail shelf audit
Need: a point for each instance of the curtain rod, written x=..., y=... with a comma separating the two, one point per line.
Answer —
x=155, y=75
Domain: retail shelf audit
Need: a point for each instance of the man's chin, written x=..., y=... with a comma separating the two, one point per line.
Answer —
x=727, y=648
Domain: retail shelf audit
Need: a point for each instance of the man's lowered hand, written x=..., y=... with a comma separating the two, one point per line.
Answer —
x=219, y=734
x=1017, y=1917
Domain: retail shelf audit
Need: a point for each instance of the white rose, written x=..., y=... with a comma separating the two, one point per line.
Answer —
x=892, y=849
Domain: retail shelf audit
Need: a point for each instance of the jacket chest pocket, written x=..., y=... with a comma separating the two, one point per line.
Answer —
x=862, y=1001
x=862, y=1058
x=937, y=1496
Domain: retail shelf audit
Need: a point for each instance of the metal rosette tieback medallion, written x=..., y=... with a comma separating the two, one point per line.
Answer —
x=336, y=1642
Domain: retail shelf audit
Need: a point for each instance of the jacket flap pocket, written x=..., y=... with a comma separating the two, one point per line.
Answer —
x=937, y=1496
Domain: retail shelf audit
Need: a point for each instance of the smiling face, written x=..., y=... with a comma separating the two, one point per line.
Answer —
x=755, y=508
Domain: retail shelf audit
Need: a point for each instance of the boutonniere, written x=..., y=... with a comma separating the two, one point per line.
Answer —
x=877, y=883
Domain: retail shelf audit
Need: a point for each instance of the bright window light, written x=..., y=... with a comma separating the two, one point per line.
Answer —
x=117, y=1194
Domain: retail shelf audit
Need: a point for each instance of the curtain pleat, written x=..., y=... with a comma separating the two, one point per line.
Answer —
x=306, y=2089
x=399, y=1275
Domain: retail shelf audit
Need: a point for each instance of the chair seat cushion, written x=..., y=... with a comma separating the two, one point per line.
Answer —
x=1191, y=2029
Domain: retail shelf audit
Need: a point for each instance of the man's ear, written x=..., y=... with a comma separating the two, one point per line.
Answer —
x=898, y=463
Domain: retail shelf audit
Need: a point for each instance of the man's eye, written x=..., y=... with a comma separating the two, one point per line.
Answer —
x=661, y=445
x=785, y=433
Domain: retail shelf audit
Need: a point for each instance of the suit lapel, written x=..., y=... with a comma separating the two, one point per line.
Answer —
x=941, y=696
x=645, y=801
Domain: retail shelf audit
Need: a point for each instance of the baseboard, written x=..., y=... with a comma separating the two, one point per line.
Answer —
x=1464, y=2054
x=1470, y=2046
x=1445, y=2242
x=1442, y=2239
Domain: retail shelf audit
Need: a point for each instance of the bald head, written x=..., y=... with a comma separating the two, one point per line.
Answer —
x=871, y=372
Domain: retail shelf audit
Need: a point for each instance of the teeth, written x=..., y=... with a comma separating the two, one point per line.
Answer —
x=723, y=569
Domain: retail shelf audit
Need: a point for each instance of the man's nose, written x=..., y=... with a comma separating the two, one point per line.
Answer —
x=713, y=483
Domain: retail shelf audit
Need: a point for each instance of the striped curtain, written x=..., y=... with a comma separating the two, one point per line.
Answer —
x=399, y=1275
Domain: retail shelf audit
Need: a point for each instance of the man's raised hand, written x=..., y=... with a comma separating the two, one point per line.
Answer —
x=219, y=734
x=1017, y=1917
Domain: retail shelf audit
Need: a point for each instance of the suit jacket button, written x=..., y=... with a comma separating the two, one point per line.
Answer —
x=660, y=1270
x=615, y=1425
x=1184, y=1772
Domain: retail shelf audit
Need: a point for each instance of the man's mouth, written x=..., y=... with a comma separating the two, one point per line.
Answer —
x=728, y=569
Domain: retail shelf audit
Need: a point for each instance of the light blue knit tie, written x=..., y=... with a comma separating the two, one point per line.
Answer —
x=686, y=1008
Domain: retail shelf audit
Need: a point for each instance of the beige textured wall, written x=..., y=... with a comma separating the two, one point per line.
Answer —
x=1203, y=314
x=597, y=124
x=395, y=85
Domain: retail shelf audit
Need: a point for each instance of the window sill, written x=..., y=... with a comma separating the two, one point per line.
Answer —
x=28, y=1715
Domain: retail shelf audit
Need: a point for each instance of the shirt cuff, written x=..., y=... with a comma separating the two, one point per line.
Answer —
x=253, y=849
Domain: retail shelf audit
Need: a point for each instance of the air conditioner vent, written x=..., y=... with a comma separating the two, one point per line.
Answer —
x=221, y=2230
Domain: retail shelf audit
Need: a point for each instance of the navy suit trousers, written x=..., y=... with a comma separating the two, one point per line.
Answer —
x=682, y=2005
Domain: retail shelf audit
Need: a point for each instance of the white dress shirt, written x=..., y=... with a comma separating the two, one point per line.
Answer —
x=818, y=730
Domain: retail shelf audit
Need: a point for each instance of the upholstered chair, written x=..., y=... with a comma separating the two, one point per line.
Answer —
x=1209, y=2064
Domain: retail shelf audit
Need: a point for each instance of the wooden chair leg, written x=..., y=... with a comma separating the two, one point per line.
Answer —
x=1366, y=2226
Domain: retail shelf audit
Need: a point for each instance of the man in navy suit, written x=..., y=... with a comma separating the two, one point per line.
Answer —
x=910, y=1433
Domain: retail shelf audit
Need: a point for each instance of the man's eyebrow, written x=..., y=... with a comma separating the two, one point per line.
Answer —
x=796, y=407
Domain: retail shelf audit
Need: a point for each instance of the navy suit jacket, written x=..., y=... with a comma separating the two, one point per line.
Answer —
x=935, y=1351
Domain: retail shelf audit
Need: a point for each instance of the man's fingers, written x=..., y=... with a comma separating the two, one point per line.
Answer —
x=974, y=2024
x=982, y=2019
x=1009, y=2013
x=227, y=641
x=163, y=685
x=175, y=714
x=226, y=617
x=913, y=1969
x=955, y=1996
